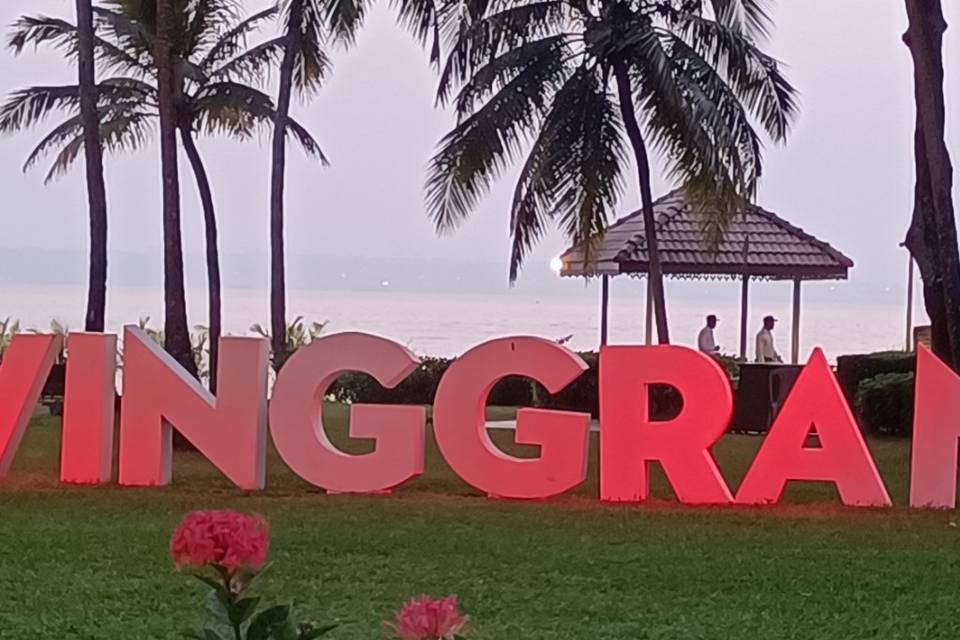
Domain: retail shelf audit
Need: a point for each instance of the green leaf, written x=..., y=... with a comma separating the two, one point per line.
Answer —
x=211, y=634
x=219, y=607
x=242, y=609
x=271, y=624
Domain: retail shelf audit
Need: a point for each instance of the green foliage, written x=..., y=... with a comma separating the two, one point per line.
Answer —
x=199, y=344
x=852, y=370
x=8, y=329
x=885, y=404
x=300, y=333
x=236, y=614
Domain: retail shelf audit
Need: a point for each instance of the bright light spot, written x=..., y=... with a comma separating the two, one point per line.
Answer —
x=556, y=265
x=385, y=284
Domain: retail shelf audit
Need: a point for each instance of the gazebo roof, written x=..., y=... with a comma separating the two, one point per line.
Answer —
x=757, y=243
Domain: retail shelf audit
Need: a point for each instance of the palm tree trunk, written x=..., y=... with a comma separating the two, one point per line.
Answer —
x=932, y=238
x=278, y=285
x=213, y=254
x=655, y=269
x=176, y=330
x=93, y=154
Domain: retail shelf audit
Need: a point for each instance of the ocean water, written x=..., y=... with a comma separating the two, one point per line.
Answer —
x=446, y=325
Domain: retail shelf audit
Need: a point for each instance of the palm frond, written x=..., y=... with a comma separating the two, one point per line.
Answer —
x=502, y=69
x=479, y=148
x=575, y=175
x=311, y=64
x=239, y=110
x=696, y=122
x=491, y=36
x=342, y=19
x=232, y=43
x=62, y=36
x=745, y=16
x=25, y=108
x=121, y=129
x=754, y=76
x=253, y=65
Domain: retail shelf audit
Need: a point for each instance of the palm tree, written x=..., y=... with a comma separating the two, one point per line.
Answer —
x=564, y=81
x=309, y=25
x=213, y=95
x=932, y=237
x=93, y=154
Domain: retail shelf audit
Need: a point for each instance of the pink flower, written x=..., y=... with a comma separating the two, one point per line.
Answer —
x=222, y=539
x=427, y=618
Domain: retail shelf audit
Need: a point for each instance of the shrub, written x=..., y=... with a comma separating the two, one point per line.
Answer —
x=885, y=404
x=854, y=369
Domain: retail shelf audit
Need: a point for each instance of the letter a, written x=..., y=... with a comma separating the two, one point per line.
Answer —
x=936, y=428
x=629, y=440
x=296, y=411
x=23, y=372
x=459, y=421
x=842, y=458
x=230, y=430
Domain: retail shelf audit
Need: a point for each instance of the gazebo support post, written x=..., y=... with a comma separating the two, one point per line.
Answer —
x=795, y=337
x=744, y=306
x=910, y=280
x=649, y=327
x=604, y=308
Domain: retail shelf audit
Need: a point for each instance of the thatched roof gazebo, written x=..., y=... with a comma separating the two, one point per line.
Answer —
x=757, y=245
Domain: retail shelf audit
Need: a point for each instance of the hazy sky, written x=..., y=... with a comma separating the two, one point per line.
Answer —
x=846, y=174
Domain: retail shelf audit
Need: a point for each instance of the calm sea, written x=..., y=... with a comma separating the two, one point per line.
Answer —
x=448, y=324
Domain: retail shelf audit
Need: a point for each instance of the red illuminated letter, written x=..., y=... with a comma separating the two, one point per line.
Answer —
x=229, y=430
x=815, y=402
x=629, y=440
x=296, y=411
x=23, y=372
x=936, y=428
x=460, y=425
x=86, y=448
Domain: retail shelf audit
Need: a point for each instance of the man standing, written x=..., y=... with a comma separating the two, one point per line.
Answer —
x=705, y=340
x=766, y=352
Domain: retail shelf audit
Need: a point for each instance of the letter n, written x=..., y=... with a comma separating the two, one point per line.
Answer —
x=159, y=395
x=815, y=402
x=936, y=429
x=23, y=372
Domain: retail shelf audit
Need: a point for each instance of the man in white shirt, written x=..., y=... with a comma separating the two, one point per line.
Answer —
x=705, y=339
x=766, y=352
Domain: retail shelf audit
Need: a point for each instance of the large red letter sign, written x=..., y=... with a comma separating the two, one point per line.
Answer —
x=936, y=428
x=842, y=458
x=296, y=411
x=459, y=420
x=629, y=440
x=86, y=449
x=230, y=430
x=23, y=372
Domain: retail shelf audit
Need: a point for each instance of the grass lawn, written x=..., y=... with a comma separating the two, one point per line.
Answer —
x=85, y=563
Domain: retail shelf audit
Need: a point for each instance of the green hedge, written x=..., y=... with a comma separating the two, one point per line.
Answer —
x=421, y=387
x=884, y=404
x=853, y=370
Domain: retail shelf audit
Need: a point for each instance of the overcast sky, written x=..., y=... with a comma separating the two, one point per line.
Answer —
x=846, y=174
